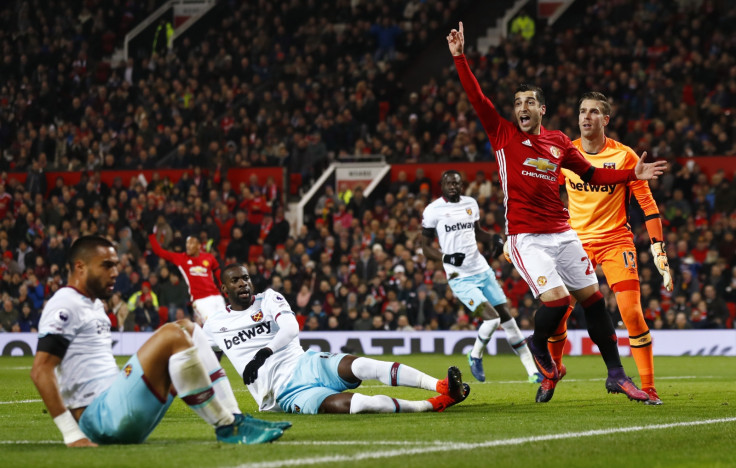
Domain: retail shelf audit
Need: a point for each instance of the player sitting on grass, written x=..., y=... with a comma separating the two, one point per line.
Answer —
x=260, y=336
x=92, y=401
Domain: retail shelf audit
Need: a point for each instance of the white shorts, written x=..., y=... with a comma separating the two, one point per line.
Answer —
x=547, y=261
x=207, y=306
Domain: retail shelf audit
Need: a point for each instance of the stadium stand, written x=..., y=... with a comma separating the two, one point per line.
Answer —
x=278, y=90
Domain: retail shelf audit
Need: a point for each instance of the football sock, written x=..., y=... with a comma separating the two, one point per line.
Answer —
x=556, y=342
x=600, y=329
x=518, y=344
x=485, y=331
x=385, y=404
x=547, y=319
x=640, y=340
x=392, y=373
x=220, y=382
x=193, y=385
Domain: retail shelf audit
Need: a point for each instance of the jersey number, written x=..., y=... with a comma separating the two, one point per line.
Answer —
x=629, y=259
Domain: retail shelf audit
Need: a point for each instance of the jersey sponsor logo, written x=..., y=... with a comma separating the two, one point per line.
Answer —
x=244, y=335
x=555, y=151
x=458, y=227
x=542, y=280
x=586, y=187
x=103, y=327
x=541, y=164
x=609, y=165
x=538, y=175
x=127, y=370
x=258, y=316
x=198, y=271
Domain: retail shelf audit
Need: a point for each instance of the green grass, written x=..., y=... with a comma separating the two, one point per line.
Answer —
x=503, y=409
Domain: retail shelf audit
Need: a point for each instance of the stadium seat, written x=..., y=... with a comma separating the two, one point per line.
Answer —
x=732, y=314
x=163, y=315
x=255, y=251
x=295, y=181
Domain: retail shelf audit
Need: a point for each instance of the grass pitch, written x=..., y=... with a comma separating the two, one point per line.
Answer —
x=498, y=425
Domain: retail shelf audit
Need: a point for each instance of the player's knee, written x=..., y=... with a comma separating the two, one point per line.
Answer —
x=177, y=334
x=186, y=325
x=485, y=311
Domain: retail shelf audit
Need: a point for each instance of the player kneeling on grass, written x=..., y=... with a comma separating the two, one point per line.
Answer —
x=260, y=336
x=92, y=401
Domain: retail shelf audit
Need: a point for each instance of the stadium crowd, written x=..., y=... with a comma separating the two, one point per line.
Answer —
x=297, y=84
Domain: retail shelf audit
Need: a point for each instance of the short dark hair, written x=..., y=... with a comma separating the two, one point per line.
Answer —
x=85, y=246
x=229, y=267
x=450, y=172
x=524, y=87
x=596, y=96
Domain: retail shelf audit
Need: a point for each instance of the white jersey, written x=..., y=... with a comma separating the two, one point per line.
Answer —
x=88, y=367
x=241, y=333
x=455, y=226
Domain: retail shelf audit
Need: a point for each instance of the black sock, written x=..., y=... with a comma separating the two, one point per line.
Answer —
x=547, y=319
x=601, y=331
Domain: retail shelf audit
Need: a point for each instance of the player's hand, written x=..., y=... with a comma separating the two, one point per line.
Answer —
x=497, y=245
x=83, y=442
x=647, y=171
x=250, y=373
x=660, y=261
x=456, y=41
x=506, y=251
x=455, y=259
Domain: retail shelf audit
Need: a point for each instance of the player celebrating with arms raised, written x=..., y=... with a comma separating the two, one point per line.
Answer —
x=454, y=220
x=199, y=269
x=542, y=245
x=599, y=214
x=260, y=336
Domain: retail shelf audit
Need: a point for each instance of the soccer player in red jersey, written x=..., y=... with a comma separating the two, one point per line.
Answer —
x=542, y=245
x=198, y=269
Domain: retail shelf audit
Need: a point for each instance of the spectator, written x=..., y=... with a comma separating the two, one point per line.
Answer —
x=8, y=315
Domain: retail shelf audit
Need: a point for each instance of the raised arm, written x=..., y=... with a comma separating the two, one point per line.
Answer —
x=496, y=127
x=160, y=251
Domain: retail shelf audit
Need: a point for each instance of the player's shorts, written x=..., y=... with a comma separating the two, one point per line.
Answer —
x=125, y=413
x=315, y=378
x=617, y=259
x=547, y=261
x=207, y=306
x=476, y=289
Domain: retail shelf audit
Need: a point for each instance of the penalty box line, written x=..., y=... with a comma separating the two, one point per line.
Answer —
x=449, y=447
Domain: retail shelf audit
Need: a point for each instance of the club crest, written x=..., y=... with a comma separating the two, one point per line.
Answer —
x=555, y=151
x=542, y=280
x=127, y=370
x=609, y=165
x=258, y=316
x=469, y=211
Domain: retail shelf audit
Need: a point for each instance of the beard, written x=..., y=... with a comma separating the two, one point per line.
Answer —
x=98, y=288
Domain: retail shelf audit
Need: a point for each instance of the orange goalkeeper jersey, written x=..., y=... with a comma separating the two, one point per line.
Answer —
x=601, y=212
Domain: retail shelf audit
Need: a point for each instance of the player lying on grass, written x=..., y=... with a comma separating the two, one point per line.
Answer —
x=260, y=336
x=92, y=401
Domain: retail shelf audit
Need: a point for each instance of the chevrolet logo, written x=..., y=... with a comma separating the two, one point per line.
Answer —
x=541, y=164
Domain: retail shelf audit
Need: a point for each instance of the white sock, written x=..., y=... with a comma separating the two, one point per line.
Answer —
x=223, y=390
x=384, y=404
x=485, y=331
x=516, y=340
x=392, y=373
x=193, y=384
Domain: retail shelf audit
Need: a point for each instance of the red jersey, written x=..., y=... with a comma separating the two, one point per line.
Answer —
x=529, y=165
x=197, y=270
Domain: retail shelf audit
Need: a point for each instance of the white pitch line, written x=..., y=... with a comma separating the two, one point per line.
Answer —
x=18, y=401
x=467, y=446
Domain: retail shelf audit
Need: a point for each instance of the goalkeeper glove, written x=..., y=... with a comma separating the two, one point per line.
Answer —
x=660, y=261
x=250, y=373
x=506, y=252
x=455, y=259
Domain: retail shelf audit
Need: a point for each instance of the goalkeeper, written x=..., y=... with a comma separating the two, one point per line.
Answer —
x=454, y=220
x=599, y=214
